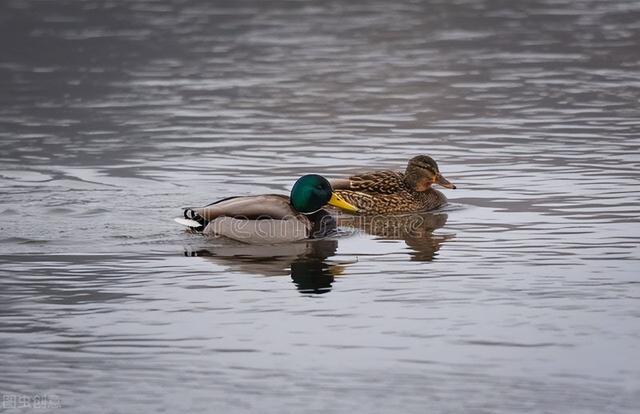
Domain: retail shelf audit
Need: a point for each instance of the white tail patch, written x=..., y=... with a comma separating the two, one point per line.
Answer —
x=187, y=222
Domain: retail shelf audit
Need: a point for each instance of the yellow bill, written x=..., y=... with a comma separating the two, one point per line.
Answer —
x=338, y=201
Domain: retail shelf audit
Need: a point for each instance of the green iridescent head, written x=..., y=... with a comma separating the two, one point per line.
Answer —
x=312, y=192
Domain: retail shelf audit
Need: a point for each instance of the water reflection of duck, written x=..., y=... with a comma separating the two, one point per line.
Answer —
x=271, y=218
x=393, y=192
x=416, y=230
x=304, y=261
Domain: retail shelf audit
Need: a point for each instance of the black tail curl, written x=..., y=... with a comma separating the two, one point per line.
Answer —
x=191, y=214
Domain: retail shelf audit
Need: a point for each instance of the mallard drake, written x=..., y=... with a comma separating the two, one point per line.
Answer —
x=393, y=192
x=271, y=218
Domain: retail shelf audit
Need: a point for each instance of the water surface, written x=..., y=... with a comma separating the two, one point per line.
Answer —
x=521, y=296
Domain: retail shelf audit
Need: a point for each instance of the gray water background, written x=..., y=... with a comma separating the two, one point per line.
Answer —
x=115, y=114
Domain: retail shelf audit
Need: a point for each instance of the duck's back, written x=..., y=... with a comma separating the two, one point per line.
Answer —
x=273, y=206
x=376, y=182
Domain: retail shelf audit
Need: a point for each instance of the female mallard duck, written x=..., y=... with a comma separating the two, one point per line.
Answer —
x=392, y=192
x=271, y=218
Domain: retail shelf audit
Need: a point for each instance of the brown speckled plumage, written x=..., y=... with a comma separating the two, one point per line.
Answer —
x=392, y=192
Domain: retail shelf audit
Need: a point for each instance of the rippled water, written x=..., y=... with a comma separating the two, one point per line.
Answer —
x=521, y=296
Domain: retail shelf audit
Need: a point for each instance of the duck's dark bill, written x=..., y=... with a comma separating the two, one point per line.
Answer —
x=340, y=202
x=440, y=180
